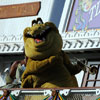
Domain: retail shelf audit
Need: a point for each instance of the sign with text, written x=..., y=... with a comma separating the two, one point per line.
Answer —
x=19, y=10
x=85, y=15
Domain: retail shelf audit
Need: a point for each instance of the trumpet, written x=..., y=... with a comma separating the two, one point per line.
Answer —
x=92, y=70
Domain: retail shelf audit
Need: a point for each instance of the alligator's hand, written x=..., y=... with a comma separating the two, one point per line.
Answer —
x=28, y=82
x=81, y=65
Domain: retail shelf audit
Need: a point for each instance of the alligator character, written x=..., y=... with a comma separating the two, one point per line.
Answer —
x=47, y=65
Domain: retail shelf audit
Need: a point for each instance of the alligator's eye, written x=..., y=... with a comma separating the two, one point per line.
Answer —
x=28, y=35
x=34, y=22
x=39, y=21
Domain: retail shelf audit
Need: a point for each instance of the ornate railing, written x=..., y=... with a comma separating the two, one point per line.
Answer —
x=67, y=93
x=11, y=44
x=72, y=41
x=81, y=40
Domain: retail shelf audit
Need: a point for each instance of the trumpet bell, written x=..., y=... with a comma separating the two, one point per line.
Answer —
x=93, y=70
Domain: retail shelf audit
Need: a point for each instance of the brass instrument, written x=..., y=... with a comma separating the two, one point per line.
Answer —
x=92, y=70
